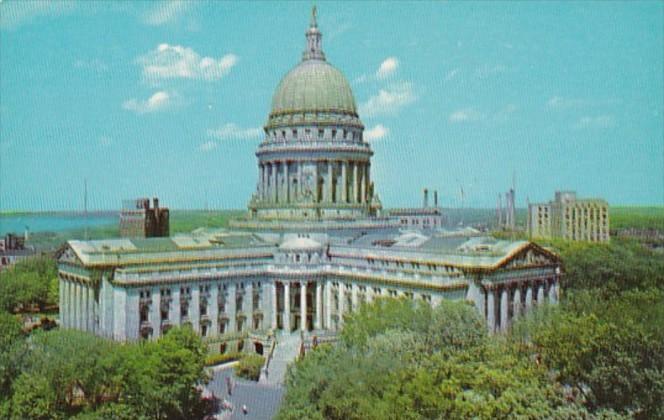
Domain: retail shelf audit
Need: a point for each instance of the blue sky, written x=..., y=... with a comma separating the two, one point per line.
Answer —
x=167, y=99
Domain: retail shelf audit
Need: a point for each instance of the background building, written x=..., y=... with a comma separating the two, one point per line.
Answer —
x=425, y=217
x=139, y=220
x=12, y=249
x=570, y=218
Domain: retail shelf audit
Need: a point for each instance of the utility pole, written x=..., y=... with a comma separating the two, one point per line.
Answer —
x=85, y=206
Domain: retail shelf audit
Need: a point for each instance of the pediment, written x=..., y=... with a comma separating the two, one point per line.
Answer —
x=68, y=256
x=531, y=255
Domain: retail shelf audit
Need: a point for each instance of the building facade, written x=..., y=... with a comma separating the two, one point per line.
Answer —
x=223, y=282
x=313, y=247
x=570, y=218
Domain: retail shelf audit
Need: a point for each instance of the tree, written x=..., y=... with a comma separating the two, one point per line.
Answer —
x=418, y=363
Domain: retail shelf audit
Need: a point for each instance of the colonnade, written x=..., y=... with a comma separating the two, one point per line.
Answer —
x=335, y=181
x=79, y=307
x=506, y=302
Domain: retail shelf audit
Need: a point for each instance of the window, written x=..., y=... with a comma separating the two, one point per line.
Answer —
x=321, y=133
x=334, y=134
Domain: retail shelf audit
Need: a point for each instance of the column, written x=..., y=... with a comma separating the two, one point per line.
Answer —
x=367, y=178
x=299, y=180
x=231, y=309
x=266, y=181
x=353, y=296
x=328, y=305
x=213, y=310
x=356, y=184
x=362, y=185
x=287, y=180
x=369, y=294
x=529, y=297
x=91, y=308
x=286, y=315
x=317, y=199
x=490, y=310
x=344, y=180
x=553, y=292
x=504, y=309
x=540, y=294
x=248, y=305
x=260, y=180
x=273, y=181
x=174, y=315
x=61, y=301
x=71, y=302
x=155, y=313
x=330, y=170
x=195, y=308
x=273, y=293
x=319, y=309
x=516, y=303
x=303, y=306
x=340, y=311
x=77, y=306
x=84, y=307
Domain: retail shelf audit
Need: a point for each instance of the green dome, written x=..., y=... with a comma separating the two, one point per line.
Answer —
x=313, y=85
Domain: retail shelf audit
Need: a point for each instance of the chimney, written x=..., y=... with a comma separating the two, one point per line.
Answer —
x=426, y=198
x=155, y=202
x=435, y=198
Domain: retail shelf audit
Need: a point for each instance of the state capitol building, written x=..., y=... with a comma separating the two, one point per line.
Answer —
x=314, y=246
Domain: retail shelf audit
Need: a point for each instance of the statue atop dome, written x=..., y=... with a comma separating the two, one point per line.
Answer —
x=314, y=49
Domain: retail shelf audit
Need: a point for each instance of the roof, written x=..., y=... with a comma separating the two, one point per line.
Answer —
x=300, y=243
x=200, y=244
x=313, y=85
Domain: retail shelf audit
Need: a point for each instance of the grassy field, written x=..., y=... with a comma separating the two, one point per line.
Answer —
x=637, y=218
x=181, y=221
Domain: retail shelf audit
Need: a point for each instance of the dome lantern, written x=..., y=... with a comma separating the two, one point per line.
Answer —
x=314, y=49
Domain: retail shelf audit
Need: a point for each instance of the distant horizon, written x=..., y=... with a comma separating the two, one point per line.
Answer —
x=169, y=99
x=93, y=212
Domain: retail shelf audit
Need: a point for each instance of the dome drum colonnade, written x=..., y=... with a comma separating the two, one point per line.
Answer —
x=313, y=162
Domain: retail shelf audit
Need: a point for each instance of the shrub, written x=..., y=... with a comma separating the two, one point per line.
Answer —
x=250, y=367
x=217, y=359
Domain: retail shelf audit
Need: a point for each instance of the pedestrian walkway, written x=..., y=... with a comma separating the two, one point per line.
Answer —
x=288, y=346
x=262, y=400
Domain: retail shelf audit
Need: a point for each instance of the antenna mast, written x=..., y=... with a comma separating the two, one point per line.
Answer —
x=85, y=206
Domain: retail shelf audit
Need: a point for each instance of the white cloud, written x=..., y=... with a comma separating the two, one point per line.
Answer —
x=452, y=74
x=465, y=115
x=505, y=113
x=559, y=102
x=387, y=68
x=17, y=13
x=94, y=65
x=158, y=101
x=486, y=71
x=175, y=61
x=389, y=100
x=233, y=131
x=105, y=140
x=376, y=133
x=207, y=146
x=166, y=12
x=600, y=121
